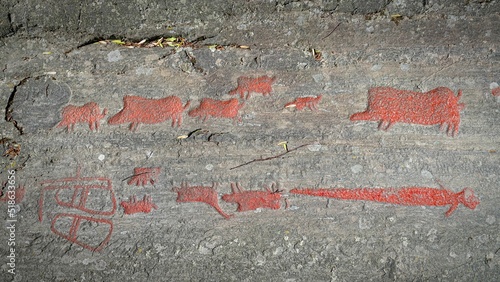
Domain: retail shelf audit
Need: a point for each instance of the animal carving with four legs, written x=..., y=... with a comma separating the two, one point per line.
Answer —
x=252, y=200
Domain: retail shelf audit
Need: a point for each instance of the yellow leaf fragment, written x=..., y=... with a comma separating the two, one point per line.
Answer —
x=284, y=144
x=117, y=41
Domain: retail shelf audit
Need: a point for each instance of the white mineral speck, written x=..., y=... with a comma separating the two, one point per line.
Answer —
x=101, y=157
x=114, y=56
x=357, y=168
x=209, y=167
x=426, y=174
x=490, y=219
x=376, y=67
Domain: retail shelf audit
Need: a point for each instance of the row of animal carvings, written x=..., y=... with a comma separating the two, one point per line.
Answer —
x=386, y=105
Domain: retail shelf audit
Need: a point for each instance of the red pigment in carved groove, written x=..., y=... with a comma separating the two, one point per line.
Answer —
x=143, y=175
x=202, y=194
x=138, y=110
x=389, y=105
x=72, y=233
x=495, y=91
x=78, y=189
x=409, y=196
x=249, y=84
x=252, y=200
x=133, y=206
x=18, y=193
x=88, y=113
x=218, y=109
x=302, y=102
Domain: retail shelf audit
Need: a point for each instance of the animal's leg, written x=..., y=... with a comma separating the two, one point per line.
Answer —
x=233, y=188
x=133, y=126
x=453, y=207
x=238, y=185
x=385, y=125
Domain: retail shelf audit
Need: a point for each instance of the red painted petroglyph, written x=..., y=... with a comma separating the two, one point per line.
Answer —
x=495, y=91
x=17, y=195
x=72, y=233
x=389, y=105
x=218, y=109
x=248, y=85
x=409, y=196
x=203, y=194
x=302, y=102
x=143, y=175
x=252, y=200
x=88, y=113
x=138, y=110
x=133, y=206
x=73, y=192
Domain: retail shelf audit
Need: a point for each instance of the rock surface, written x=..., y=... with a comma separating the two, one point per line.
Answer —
x=338, y=49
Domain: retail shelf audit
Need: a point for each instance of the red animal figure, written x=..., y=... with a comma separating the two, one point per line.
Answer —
x=88, y=113
x=202, y=194
x=76, y=220
x=408, y=196
x=134, y=206
x=302, y=102
x=389, y=105
x=138, y=110
x=258, y=85
x=17, y=196
x=143, y=175
x=252, y=200
x=495, y=91
x=215, y=108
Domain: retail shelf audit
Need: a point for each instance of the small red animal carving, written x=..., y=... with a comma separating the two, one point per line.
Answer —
x=249, y=84
x=17, y=196
x=138, y=110
x=71, y=233
x=495, y=91
x=134, y=206
x=409, y=196
x=216, y=108
x=252, y=200
x=389, y=105
x=88, y=113
x=302, y=102
x=202, y=194
x=143, y=175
